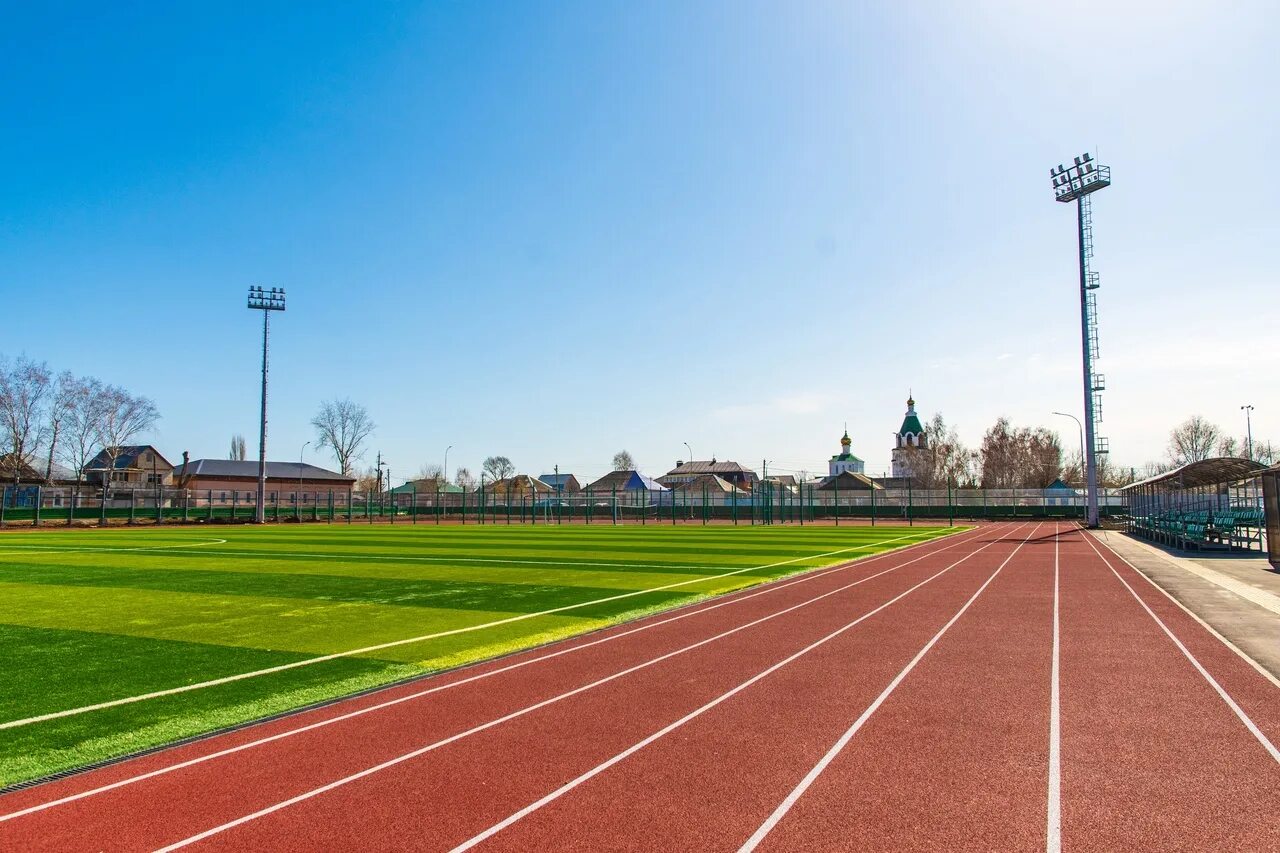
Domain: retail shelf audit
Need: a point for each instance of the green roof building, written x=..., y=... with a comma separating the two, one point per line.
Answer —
x=845, y=460
x=910, y=440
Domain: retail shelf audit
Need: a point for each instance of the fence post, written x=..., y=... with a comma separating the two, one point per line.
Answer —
x=614, y=503
x=35, y=519
x=71, y=510
x=911, y=518
x=873, y=507
x=951, y=511
x=4, y=493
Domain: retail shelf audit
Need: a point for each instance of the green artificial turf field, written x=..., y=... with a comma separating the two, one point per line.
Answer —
x=95, y=616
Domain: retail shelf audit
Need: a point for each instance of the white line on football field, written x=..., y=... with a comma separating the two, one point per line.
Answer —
x=422, y=638
x=693, y=610
x=306, y=795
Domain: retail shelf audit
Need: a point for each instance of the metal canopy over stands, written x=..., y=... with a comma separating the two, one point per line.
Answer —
x=1213, y=503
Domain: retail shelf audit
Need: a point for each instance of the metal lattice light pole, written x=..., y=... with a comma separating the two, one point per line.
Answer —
x=265, y=301
x=1248, y=426
x=1076, y=183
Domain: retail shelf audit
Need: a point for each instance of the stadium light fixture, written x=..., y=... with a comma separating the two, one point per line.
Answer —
x=1077, y=182
x=265, y=301
x=1248, y=427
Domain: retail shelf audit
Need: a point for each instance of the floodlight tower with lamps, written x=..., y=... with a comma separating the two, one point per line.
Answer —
x=1248, y=427
x=1076, y=183
x=265, y=301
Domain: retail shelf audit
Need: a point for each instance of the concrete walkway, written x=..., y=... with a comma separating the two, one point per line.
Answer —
x=1238, y=595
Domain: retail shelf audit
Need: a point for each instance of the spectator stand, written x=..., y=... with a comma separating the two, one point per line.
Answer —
x=1213, y=504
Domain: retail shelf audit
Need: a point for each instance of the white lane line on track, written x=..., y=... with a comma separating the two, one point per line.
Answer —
x=424, y=637
x=1203, y=624
x=799, y=790
x=47, y=549
x=605, y=765
x=1053, y=832
x=306, y=795
x=690, y=611
x=1213, y=682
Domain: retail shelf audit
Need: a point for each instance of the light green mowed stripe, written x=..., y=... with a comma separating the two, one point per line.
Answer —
x=275, y=624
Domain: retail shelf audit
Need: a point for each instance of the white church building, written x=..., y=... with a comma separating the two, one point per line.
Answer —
x=845, y=460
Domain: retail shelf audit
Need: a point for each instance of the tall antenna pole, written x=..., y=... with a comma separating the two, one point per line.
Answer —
x=265, y=301
x=1076, y=183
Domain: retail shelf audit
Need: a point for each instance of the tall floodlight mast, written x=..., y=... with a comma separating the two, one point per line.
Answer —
x=1076, y=183
x=265, y=301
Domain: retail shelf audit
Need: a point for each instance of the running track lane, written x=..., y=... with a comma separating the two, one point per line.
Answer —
x=351, y=735
x=1115, y=811
x=957, y=756
x=1153, y=757
x=448, y=795
x=768, y=736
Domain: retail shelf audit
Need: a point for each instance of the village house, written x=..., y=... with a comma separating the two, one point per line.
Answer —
x=131, y=466
x=730, y=472
x=236, y=481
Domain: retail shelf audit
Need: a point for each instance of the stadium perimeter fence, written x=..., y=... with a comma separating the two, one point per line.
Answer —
x=765, y=504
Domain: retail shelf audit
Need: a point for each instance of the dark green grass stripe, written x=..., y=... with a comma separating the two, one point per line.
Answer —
x=48, y=669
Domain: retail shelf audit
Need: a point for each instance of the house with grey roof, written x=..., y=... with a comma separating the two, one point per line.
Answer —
x=135, y=465
x=730, y=472
x=236, y=480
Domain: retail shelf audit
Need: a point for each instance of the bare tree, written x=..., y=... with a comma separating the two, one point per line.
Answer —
x=239, y=449
x=123, y=417
x=1193, y=440
x=498, y=468
x=24, y=388
x=1019, y=458
x=1110, y=476
x=945, y=460
x=622, y=461
x=343, y=426
x=369, y=480
x=82, y=425
x=430, y=477
x=464, y=479
x=1265, y=452
x=65, y=390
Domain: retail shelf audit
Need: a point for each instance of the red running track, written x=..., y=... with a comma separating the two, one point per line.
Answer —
x=1017, y=687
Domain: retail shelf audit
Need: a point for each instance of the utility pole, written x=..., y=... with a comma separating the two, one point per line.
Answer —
x=1076, y=183
x=265, y=301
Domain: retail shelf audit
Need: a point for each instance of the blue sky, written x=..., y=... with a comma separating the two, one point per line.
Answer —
x=554, y=230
